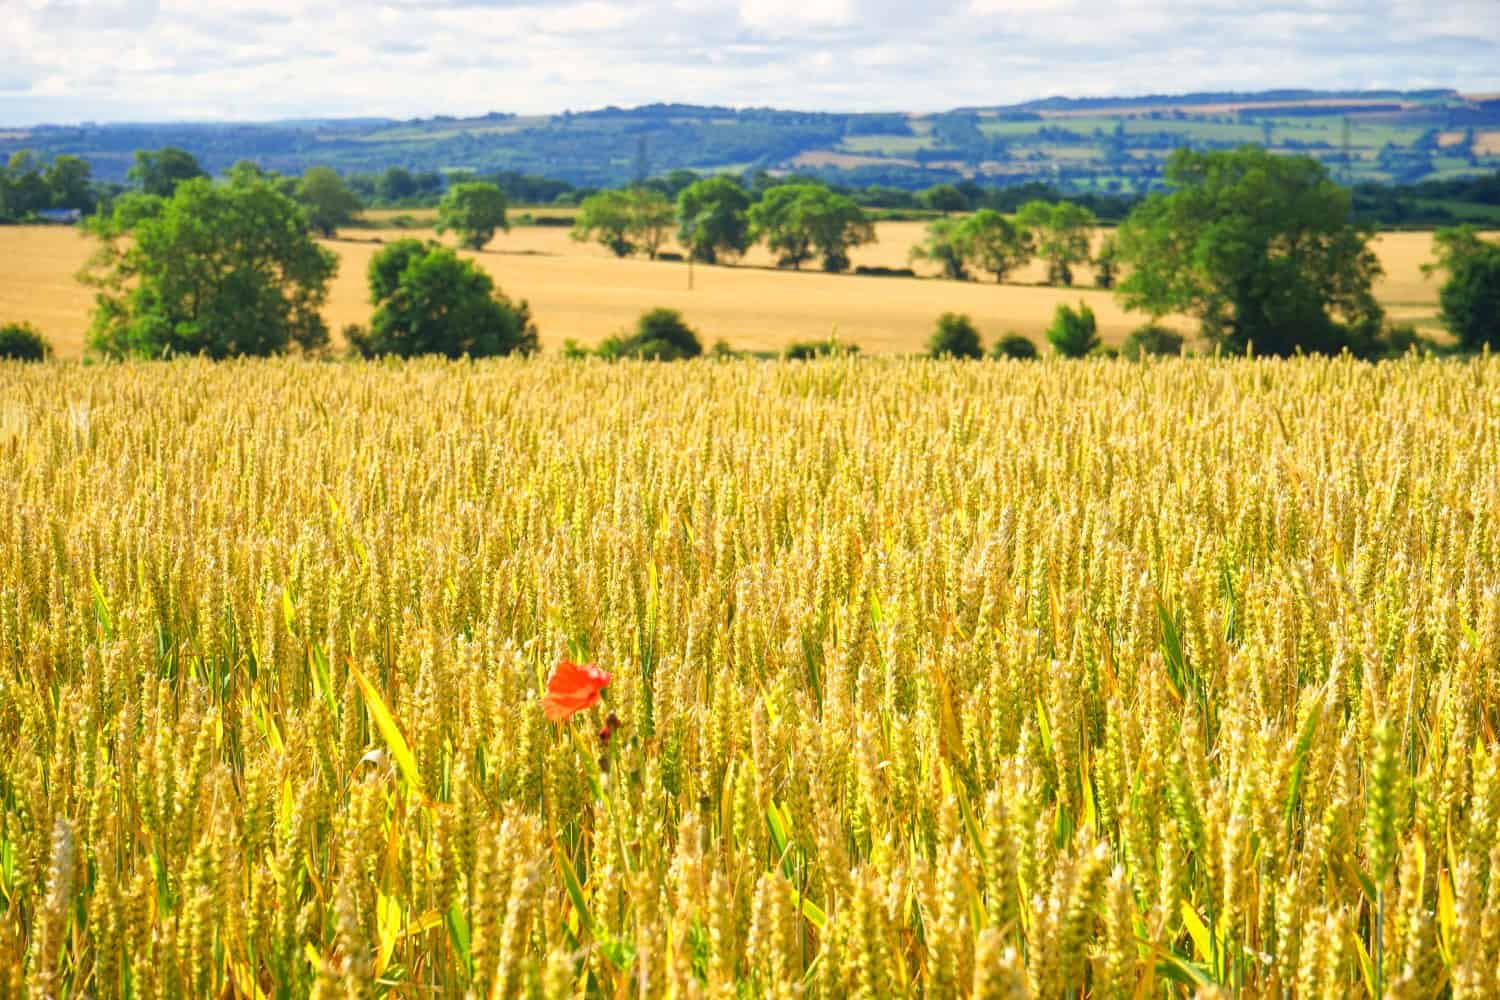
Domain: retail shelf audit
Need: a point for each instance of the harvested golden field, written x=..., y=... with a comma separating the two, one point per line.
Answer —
x=579, y=291
x=961, y=680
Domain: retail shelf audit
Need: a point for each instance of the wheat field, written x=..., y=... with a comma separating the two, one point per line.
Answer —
x=580, y=292
x=987, y=679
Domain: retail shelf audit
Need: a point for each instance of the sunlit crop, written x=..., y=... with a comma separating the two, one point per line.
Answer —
x=990, y=679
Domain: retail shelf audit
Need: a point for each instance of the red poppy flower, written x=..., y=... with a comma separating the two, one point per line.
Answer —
x=572, y=688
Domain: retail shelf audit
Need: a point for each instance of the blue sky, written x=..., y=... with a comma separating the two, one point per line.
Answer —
x=110, y=60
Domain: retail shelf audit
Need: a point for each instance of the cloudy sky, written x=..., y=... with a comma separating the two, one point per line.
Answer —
x=71, y=60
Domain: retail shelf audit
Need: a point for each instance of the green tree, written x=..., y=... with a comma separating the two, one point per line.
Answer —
x=659, y=335
x=24, y=185
x=250, y=172
x=607, y=218
x=1107, y=263
x=777, y=219
x=1061, y=232
x=219, y=270
x=69, y=182
x=1074, y=333
x=995, y=244
x=652, y=216
x=1261, y=248
x=159, y=172
x=395, y=184
x=947, y=245
x=944, y=198
x=837, y=225
x=327, y=200
x=428, y=300
x=798, y=220
x=474, y=211
x=637, y=219
x=955, y=337
x=1470, y=297
x=713, y=215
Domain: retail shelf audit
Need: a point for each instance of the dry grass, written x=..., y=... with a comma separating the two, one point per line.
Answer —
x=943, y=680
x=580, y=292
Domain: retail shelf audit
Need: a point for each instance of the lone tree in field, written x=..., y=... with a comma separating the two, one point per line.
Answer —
x=327, y=200
x=837, y=225
x=159, y=172
x=218, y=270
x=652, y=216
x=777, y=219
x=475, y=211
x=605, y=218
x=1261, y=248
x=995, y=244
x=800, y=220
x=713, y=219
x=636, y=220
x=1470, y=298
x=428, y=300
x=1060, y=232
x=948, y=245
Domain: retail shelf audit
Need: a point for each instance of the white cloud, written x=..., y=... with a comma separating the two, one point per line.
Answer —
x=103, y=59
x=781, y=17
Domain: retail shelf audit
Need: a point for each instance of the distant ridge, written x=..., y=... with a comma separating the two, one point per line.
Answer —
x=1100, y=144
x=1224, y=97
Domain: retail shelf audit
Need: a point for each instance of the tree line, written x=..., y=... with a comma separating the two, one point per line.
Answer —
x=31, y=184
x=717, y=220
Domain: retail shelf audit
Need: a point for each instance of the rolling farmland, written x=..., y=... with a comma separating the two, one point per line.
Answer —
x=1104, y=145
x=579, y=291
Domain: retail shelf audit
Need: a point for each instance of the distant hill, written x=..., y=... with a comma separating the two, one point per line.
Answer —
x=1080, y=144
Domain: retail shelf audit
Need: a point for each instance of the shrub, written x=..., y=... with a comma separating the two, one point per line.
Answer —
x=428, y=300
x=660, y=335
x=1013, y=345
x=1151, y=340
x=23, y=342
x=807, y=350
x=1074, y=332
x=875, y=271
x=955, y=337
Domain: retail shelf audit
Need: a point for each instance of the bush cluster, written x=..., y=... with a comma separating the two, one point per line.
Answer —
x=23, y=342
x=659, y=335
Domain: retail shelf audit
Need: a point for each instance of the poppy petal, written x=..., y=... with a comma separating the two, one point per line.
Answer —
x=572, y=688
